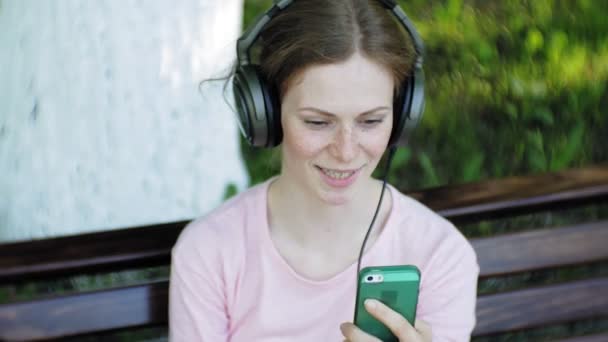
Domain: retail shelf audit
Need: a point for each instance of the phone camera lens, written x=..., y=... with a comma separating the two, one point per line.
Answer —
x=370, y=278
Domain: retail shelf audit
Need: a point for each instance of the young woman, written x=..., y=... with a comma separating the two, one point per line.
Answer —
x=278, y=262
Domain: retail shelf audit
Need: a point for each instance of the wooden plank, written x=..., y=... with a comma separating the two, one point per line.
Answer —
x=542, y=306
x=93, y=252
x=101, y=311
x=517, y=195
x=540, y=249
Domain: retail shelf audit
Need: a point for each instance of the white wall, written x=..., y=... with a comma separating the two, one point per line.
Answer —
x=101, y=122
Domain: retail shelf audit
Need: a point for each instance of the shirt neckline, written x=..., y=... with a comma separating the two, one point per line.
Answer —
x=268, y=244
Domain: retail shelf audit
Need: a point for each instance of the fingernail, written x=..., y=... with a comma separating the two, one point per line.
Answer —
x=370, y=303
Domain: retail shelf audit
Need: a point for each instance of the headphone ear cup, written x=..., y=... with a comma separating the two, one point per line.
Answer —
x=247, y=104
x=408, y=108
x=257, y=109
x=272, y=104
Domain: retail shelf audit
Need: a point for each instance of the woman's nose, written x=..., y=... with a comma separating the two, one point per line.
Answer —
x=345, y=144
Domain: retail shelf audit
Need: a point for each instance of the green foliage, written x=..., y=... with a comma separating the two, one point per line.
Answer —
x=513, y=87
x=230, y=191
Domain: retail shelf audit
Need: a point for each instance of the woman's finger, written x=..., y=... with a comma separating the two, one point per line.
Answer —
x=424, y=329
x=392, y=319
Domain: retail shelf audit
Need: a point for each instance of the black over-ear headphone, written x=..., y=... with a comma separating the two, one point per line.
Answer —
x=258, y=104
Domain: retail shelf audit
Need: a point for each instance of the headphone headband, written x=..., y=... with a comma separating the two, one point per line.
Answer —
x=244, y=43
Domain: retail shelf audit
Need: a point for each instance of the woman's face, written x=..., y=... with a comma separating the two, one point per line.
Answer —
x=337, y=121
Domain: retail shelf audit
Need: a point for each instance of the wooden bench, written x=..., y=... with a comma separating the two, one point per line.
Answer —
x=503, y=255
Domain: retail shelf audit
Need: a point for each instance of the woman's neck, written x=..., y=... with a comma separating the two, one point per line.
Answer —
x=296, y=214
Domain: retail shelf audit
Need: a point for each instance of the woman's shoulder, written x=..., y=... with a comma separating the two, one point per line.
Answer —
x=226, y=223
x=426, y=226
x=410, y=208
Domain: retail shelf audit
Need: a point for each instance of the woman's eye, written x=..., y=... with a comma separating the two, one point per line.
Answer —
x=316, y=123
x=372, y=122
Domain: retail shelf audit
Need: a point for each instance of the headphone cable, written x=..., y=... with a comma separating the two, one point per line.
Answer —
x=391, y=154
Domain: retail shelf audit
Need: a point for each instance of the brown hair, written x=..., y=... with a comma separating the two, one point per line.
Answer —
x=316, y=32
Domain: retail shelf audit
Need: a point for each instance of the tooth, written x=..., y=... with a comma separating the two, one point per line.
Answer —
x=336, y=174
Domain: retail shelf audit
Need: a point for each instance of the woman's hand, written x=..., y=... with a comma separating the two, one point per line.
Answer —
x=393, y=320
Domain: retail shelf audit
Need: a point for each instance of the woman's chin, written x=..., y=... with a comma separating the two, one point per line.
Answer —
x=337, y=197
x=336, y=194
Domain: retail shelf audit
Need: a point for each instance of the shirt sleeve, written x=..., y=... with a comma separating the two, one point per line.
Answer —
x=449, y=291
x=197, y=309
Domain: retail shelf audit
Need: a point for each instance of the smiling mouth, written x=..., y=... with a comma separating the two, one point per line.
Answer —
x=336, y=174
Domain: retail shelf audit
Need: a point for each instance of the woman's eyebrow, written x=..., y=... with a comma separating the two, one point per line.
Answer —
x=326, y=113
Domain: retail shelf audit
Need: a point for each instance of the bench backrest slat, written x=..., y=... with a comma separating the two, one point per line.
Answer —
x=541, y=306
x=517, y=195
x=538, y=249
x=92, y=252
x=97, y=311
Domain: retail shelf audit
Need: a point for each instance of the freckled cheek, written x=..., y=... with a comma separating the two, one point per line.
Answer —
x=375, y=145
x=304, y=144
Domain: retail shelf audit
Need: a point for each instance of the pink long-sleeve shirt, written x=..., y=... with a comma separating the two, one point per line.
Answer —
x=229, y=282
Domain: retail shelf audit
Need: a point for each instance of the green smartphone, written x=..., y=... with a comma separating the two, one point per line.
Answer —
x=396, y=286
